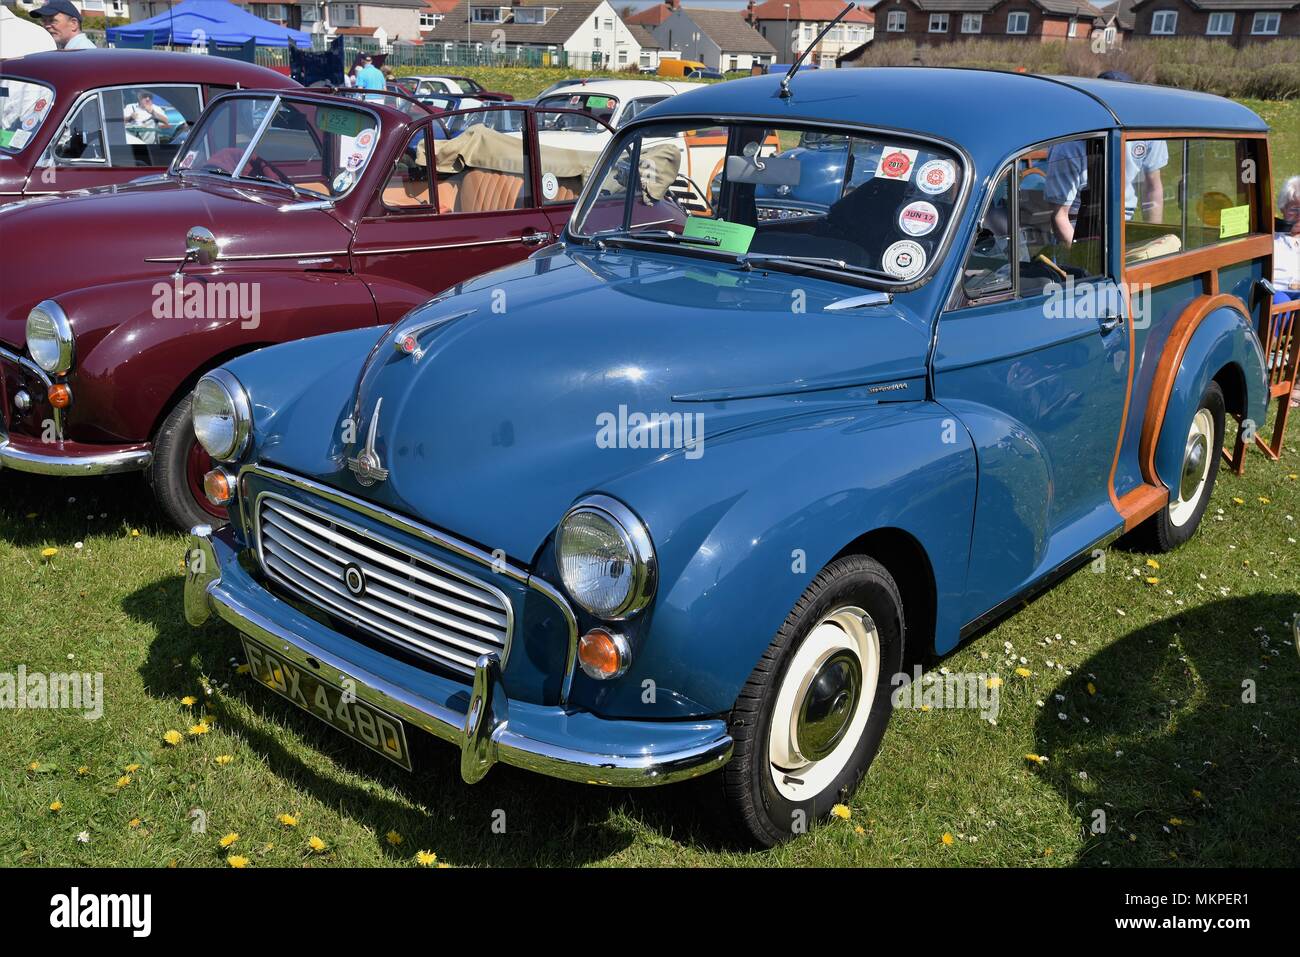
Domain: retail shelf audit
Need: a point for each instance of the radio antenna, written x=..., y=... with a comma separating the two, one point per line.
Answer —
x=798, y=62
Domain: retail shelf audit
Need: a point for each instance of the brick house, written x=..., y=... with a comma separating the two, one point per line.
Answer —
x=1237, y=21
x=943, y=21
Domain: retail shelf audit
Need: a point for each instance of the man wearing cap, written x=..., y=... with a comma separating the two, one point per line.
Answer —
x=63, y=22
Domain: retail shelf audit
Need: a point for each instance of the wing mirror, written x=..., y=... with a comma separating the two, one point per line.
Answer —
x=200, y=247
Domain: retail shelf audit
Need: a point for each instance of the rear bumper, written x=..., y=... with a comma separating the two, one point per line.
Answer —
x=23, y=453
x=481, y=721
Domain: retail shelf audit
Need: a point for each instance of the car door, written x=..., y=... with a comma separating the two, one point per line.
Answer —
x=117, y=134
x=431, y=228
x=1032, y=355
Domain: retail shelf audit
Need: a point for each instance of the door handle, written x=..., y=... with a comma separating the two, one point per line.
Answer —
x=1110, y=324
x=536, y=239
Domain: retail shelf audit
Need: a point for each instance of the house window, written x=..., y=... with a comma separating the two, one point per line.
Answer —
x=972, y=22
x=938, y=23
x=733, y=63
x=622, y=56
x=1072, y=30
x=1018, y=22
x=1164, y=23
x=1220, y=24
x=1266, y=24
x=897, y=21
x=609, y=24
x=531, y=14
x=345, y=14
x=486, y=15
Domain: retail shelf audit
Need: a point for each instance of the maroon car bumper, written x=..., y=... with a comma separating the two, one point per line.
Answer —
x=23, y=453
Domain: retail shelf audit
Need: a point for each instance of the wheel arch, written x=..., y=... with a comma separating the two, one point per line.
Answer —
x=187, y=384
x=907, y=562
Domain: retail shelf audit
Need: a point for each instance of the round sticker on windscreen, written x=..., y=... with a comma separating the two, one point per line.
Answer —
x=30, y=121
x=342, y=181
x=550, y=186
x=918, y=218
x=189, y=159
x=40, y=105
x=936, y=176
x=904, y=259
x=355, y=161
x=365, y=138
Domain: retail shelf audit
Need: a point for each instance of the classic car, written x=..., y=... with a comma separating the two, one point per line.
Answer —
x=423, y=85
x=686, y=503
x=73, y=122
x=288, y=213
x=600, y=105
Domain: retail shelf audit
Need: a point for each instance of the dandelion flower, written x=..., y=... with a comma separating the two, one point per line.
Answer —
x=135, y=533
x=1036, y=758
x=173, y=737
x=1264, y=499
x=56, y=806
x=229, y=839
x=1153, y=580
x=124, y=780
x=288, y=820
x=237, y=861
x=393, y=838
x=1238, y=501
x=946, y=839
x=859, y=829
x=994, y=682
x=83, y=770
x=131, y=768
x=189, y=701
x=1023, y=672
x=48, y=553
x=34, y=766
x=1197, y=794
x=1175, y=822
x=842, y=812
x=426, y=858
x=224, y=759
x=316, y=844
x=200, y=728
x=133, y=823
x=1152, y=563
x=1092, y=688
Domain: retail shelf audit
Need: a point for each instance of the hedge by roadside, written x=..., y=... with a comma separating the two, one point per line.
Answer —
x=1265, y=71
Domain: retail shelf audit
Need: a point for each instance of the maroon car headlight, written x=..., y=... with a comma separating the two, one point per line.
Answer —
x=222, y=415
x=49, y=337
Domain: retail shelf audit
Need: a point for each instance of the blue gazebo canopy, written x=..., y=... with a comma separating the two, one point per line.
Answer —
x=209, y=21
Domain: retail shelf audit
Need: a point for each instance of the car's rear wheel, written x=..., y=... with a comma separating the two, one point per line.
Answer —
x=1190, y=496
x=813, y=712
x=177, y=470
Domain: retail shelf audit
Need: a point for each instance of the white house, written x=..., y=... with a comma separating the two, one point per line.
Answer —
x=720, y=39
x=792, y=25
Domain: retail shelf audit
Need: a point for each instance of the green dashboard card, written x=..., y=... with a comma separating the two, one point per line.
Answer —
x=731, y=237
x=1234, y=221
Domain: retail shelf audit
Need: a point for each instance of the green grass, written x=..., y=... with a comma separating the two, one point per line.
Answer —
x=1168, y=735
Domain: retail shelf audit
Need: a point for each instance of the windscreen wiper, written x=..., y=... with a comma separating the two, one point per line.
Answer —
x=749, y=260
x=659, y=236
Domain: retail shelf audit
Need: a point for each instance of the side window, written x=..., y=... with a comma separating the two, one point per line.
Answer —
x=146, y=125
x=1221, y=197
x=1153, y=208
x=635, y=107
x=1045, y=224
x=566, y=162
x=464, y=163
x=82, y=137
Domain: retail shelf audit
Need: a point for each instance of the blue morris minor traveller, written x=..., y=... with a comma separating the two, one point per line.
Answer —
x=678, y=495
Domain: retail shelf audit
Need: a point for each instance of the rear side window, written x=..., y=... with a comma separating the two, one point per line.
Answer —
x=1188, y=193
x=147, y=125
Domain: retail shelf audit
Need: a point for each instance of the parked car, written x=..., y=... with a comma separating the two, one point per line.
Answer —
x=445, y=85
x=71, y=123
x=614, y=102
x=704, y=75
x=688, y=503
x=671, y=66
x=288, y=213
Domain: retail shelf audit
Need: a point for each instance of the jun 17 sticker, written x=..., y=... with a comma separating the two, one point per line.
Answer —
x=342, y=181
x=904, y=259
x=896, y=164
x=918, y=218
x=936, y=176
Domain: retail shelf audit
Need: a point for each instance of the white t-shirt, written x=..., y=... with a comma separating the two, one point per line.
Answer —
x=1067, y=171
x=80, y=42
x=1286, y=262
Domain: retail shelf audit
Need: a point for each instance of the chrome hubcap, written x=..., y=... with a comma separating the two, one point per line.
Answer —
x=1193, y=464
x=828, y=705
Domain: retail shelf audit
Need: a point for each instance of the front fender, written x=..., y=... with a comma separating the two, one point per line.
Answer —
x=139, y=342
x=741, y=532
x=1223, y=338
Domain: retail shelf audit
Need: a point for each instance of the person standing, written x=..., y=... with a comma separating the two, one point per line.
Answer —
x=370, y=78
x=62, y=21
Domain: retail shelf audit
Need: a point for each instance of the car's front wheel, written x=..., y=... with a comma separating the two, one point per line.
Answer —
x=177, y=470
x=813, y=712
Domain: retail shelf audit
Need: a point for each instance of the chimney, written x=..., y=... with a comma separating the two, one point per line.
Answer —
x=749, y=12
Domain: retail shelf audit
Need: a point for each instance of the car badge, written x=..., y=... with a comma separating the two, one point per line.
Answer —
x=367, y=466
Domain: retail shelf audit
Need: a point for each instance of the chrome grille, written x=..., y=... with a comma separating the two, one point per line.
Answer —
x=420, y=605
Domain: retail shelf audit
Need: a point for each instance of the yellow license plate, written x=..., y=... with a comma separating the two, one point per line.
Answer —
x=377, y=730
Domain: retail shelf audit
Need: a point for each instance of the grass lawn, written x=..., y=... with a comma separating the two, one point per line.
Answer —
x=1166, y=698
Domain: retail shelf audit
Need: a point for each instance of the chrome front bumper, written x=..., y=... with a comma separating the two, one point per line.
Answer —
x=23, y=454
x=481, y=720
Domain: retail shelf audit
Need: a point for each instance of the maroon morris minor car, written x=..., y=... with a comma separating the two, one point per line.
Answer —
x=105, y=116
x=289, y=213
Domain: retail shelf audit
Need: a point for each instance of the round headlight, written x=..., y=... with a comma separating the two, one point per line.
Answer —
x=222, y=415
x=606, y=558
x=49, y=337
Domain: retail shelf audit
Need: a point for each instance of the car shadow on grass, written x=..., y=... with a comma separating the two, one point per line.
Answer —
x=546, y=821
x=68, y=510
x=1186, y=748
